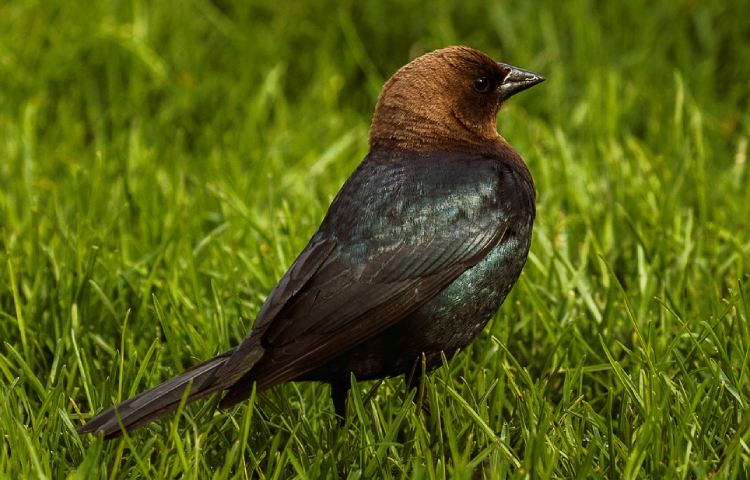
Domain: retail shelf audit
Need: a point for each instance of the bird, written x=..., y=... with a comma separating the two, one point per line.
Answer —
x=415, y=254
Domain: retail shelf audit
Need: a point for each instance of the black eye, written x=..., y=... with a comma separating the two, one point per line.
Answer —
x=482, y=84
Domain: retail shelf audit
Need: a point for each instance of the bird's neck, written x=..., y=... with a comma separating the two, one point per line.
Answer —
x=395, y=127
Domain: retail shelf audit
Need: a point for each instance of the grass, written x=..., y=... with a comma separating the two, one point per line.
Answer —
x=161, y=164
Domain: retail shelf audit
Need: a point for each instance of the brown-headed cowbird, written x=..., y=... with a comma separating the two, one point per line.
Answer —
x=416, y=253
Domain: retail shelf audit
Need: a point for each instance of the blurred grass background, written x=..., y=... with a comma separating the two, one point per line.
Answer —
x=161, y=164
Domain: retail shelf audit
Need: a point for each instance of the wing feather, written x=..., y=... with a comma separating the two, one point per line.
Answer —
x=382, y=252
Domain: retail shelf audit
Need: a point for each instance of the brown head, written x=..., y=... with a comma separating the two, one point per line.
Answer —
x=446, y=100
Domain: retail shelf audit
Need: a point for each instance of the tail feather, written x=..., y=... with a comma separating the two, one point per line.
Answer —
x=160, y=400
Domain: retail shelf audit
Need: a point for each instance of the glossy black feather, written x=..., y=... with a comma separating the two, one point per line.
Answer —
x=405, y=226
x=415, y=254
x=158, y=401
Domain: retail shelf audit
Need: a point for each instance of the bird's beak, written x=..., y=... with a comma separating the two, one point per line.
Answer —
x=516, y=80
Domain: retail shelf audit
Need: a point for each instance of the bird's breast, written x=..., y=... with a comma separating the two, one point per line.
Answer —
x=454, y=317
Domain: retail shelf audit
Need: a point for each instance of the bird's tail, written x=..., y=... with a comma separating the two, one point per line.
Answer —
x=160, y=400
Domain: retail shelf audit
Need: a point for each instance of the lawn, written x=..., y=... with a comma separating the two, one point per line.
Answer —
x=162, y=163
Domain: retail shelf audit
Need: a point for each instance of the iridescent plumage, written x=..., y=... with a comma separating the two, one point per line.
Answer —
x=416, y=253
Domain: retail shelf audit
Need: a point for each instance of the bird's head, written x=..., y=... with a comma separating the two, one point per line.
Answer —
x=445, y=100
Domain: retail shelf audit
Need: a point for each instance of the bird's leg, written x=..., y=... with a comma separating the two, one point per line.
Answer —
x=339, y=391
x=412, y=382
x=409, y=379
x=423, y=402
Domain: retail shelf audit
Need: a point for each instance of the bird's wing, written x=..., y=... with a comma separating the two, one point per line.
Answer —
x=343, y=306
x=353, y=282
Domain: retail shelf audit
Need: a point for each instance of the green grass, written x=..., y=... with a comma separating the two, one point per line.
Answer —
x=161, y=164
